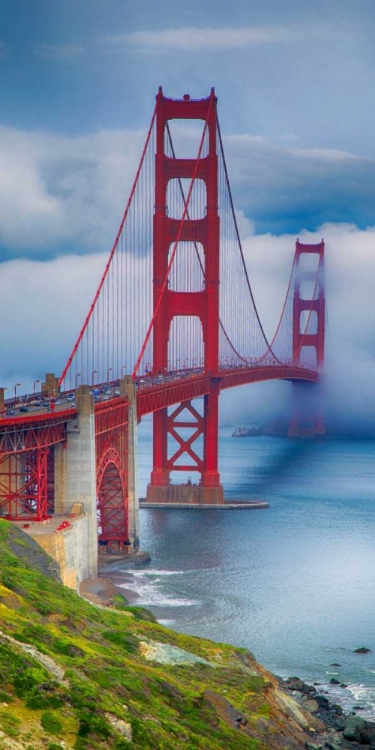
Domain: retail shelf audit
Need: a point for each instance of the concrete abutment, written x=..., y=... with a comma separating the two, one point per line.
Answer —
x=71, y=535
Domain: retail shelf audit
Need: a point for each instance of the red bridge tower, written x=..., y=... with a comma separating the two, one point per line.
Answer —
x=308, y=334
x=203, y=304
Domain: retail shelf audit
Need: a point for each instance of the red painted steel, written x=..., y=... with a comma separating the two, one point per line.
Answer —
x=26, y=464
x=24, y=486
x=306, y=338
x=111, y=432
x=185, y=416
x=111, y=480
x=33, y=433
x=169, y=304
x=315, y=303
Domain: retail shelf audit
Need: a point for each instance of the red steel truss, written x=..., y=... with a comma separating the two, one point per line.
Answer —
x=26, y=465
x=185, y=417
x=27, y=434
x=111, y=431
x=24, y=485
x=151, y=399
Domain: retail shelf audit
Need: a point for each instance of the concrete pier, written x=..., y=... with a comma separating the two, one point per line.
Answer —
x=127, y=388
x=75, y=479
x=185, y=494
x=228, y=505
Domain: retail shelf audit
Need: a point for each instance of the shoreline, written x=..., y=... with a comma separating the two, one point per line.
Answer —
x=348, y=728
x=343, y=730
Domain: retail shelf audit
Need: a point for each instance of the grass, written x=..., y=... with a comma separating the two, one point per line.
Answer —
x=106, y=679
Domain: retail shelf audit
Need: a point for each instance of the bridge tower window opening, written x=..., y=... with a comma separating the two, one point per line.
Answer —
x=308, y=322
x=309, y=263
x=187, y=270
x=177, y=191
x=308, y=288
x=182, y=137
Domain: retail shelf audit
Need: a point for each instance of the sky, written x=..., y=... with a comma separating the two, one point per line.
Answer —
x=294, y=79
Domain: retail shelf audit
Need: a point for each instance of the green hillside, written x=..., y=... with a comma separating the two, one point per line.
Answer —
x=74, y=675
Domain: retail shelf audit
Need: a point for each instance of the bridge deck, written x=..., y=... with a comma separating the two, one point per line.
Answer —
x=153, y=393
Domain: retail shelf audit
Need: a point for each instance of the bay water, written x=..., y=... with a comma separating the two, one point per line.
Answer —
x=294, y=583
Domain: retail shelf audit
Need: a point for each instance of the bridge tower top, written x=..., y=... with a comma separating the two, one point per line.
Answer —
x=171, y=231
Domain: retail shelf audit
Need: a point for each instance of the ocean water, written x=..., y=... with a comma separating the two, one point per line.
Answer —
x=295, y=583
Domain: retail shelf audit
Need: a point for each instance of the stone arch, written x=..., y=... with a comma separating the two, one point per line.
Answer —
x=112, y=499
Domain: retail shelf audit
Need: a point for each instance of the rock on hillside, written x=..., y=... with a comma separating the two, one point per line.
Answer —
x=73, y=675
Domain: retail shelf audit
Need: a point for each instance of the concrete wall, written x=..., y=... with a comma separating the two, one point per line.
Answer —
x=75, y=478
x=67, y=546
x=127, y=388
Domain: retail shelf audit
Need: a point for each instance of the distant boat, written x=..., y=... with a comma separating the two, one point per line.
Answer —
x=252, y=431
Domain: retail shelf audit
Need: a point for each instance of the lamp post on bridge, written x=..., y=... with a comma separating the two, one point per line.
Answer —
x=122, y=371
x=78, y=375
x=15, y=392
x=108, y=371
x=2, y=407
x=94, y=372
x=35, y=382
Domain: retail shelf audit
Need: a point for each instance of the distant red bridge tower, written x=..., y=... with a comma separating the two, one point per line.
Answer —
x=308, y=334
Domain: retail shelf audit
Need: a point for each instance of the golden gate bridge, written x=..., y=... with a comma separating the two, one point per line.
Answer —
x=173, y=320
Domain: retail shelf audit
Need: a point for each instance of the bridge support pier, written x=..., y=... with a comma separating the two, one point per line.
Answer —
x=50, y=387
x=127, y=388
x=185, y=494
x=75, y=477
x=307, y=418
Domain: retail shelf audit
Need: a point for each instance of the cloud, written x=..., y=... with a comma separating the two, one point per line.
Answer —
x=64, y=194
x=181, y=39
x=61, y=194
x=208, y=39
x=283, y=188
x=211, y=39
x=49, y=301
x=350, y=337
x=62, y=51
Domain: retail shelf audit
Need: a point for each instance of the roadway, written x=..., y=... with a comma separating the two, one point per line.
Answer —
x=156, y=391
